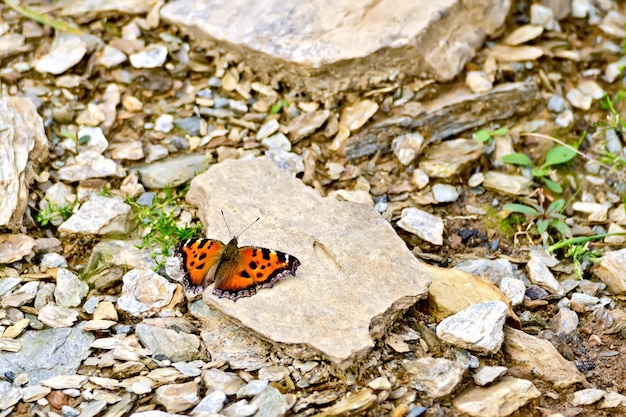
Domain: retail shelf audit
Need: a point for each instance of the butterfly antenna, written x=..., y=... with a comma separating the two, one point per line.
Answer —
x=226, y=223
x=249, y=226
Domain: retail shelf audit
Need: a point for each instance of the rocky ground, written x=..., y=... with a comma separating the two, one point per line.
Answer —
x=124, y=137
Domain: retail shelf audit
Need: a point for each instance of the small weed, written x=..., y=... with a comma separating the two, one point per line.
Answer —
x=278, y=106
x=556, y=156
x=51, y=211
x=543, y=218
x=582, y=257
x=159, y=229
x=485, y=135
x=105, y=191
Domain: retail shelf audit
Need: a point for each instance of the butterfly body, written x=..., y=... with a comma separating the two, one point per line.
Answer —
x=237, y=271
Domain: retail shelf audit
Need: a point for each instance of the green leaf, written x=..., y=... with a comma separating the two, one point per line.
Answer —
x=559, y=155
x=276, y=107
x=501, y=132
x=520, y=208
x=542, y=226
x=517, y=159
x=555, y=187
x=482, y=136
x=83, y=139
x=556, y=206
x=562, y=228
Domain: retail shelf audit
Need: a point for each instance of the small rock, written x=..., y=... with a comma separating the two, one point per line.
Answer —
x=556, y=104
x=88, y=164
x=272, y=403
x=25, y=294
x=277, y=141
x=507, y=183
x=353, y=404
x=9, y=396
x=70, y=291
x=448, y=158
x=407, y=147
x=478, y=328
x=273, y=373
x=15, y=247
x=252, y=388
x=539, y=274
x=172, y=172
x=99, y=216
x=306, y=124
x=478, y=82
x=422, y=224
x=611, y=400
x=592, y=89
x=379, y=384
x=56, y=316
x=177, y=397
x=565, y=322
x=498, y=400
x=239, y=409
x=216, y=380
x=445, y=193
x=565, y=119
x=356, y=115
x=514, y=289
x=111, y=57
x=476, y=179
x=52, y=260
x=268, y=129
x=578, y=99
x=488, y=374
x=152, y=57
x=612, y=272
x=65, y=382
x=67, y=50
x=34, y=393
x=587, y=396
x=212, y=403
x=437, y=377
x=164, y=123
x=92, y=139
x=287, y=161
x=168, y=343
x=538, y=358
x=543, y=16
x=144, y=292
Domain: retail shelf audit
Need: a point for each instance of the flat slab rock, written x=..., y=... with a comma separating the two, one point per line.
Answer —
x=356, y=274
x=313, y=43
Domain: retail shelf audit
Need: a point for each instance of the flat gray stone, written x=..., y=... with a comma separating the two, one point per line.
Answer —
x=312, y=43
x=498, y=400
x=99, y=216
x=477, y=328
x=172, y=172
x=175, y=346
x=48, y=353
x=348, y=289
x=23, y=145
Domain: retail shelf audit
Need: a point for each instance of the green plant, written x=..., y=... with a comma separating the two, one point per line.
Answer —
x=485, y=135
x=105, y=191
x=582, y=257
x=556, y=156
x=50, y=211
x=278, y=106
x=158, y=225
x=543, y=218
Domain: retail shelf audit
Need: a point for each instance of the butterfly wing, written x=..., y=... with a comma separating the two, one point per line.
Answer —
x=251, y=269
x=199, y=259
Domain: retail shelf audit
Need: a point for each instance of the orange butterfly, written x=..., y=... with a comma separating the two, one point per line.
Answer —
x=237, y=272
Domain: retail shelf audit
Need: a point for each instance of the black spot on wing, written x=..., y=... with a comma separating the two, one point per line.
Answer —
x=253, y=265
x=201, y=257
x=244, y=274
x=203, y=243
x=266, y=254
x=199, y=266
x=282, y=257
